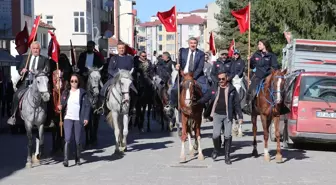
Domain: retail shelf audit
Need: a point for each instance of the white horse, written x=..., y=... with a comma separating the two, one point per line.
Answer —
x=118, y=103
x=238, y=83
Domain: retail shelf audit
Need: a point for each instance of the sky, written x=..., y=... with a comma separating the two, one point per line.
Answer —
x=147, y=8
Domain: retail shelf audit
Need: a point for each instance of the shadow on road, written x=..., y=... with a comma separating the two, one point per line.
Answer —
x=149, y=146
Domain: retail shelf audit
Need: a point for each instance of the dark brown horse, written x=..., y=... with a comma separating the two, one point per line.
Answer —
x=57, y=76
x=268, y=105
x=191, y=115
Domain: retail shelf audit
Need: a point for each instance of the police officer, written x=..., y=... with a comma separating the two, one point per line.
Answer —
x=237, y=64
x=222, y=64
x=262, y=62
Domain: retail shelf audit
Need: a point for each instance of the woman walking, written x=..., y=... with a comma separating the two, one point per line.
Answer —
x=77, y=111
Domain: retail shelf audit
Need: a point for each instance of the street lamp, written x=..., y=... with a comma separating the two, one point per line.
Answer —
x=118, y=17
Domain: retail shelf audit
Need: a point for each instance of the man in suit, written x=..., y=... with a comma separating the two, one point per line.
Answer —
x=190, y=60
x=36, y=62
x=88, y=59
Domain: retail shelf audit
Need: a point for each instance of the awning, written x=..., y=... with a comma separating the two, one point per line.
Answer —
x=6, y=59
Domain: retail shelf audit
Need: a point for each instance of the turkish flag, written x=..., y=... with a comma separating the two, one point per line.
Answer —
x=231, y=48
x=288, y=36
x=243, y=18
x=54, y=47
x=21, y=40
x=131, y=51
x=212, y=44
x=168, y=19
x=34, y=30
x=99, y=54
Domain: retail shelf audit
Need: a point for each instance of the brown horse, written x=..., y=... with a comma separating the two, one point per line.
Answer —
x=268, y=105
x=191, y=115
x=57, y=76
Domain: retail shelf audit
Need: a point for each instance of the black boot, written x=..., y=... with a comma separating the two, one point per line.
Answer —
x=228, y=142
x=66, y=155
x=216, y=143
x=247, y=109
x=15, y=103
x=77, y=156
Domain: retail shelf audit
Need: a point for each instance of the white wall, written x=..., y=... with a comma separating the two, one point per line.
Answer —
x=126, y=23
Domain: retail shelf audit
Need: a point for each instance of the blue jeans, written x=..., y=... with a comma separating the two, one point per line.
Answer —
x=74, y=125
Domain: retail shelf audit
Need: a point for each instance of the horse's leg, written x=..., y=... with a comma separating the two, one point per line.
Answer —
x=235, y=129
x=240, y=129
x=148, y=116
x=177, y=122
x=254, y=129
x=198, y=122
x=191, y=151
x=87, y=133
x=54, y=138
x=183, y=138
x=30, y=144
x=278, y=156
x=95, y=121
x=115, y=124
x=265, y=123
x=125, y=133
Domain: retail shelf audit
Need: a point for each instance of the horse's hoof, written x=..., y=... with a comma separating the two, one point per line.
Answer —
x=35, y=160
x=240, y=134
x=267, y=158
x=255, y=153
x=29, y=165
x=195, y=147
x=183, y=159
x=200, y=157
x=278, y=158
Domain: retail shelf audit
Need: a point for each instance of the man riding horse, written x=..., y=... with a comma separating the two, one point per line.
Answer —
x=36, y=62
x=192, y=61
x=117, y=62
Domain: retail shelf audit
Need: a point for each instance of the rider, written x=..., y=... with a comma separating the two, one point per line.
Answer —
x=191, y=60
x=120, y=61
x=35, y=62
x=262, y=61
x=144, y=67
x=164, y=67
x=237, y=65
x=222, y=64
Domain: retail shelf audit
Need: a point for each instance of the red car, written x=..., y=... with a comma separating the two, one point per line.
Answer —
x=311, y=96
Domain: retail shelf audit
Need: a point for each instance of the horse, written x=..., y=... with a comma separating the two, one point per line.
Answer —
x=191, y=115
x=33, y=111
x=240, y=85
x=118, y=103
x=268, y=105
x=59, y=84
x=93, y=86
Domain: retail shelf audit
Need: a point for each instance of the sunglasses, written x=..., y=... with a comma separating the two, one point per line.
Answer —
x=74, y=81
x=222, y=79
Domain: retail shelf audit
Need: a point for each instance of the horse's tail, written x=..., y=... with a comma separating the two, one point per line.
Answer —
x=109, y=119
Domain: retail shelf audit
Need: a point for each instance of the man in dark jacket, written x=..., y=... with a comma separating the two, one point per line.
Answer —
x=224, y=103
x=36, y=62
x=222, y=64
x=88, y=59
x=164, y=67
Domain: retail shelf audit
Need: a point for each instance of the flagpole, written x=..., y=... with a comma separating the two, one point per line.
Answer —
x=177, y=61
x=249, y=47
x=59, y=97
x=29, y=53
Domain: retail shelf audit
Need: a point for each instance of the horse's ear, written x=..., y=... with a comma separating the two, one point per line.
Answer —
x=131, y=71
x=284, y=71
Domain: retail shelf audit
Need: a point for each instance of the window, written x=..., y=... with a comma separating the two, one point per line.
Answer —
x=318, y=88
x=160, y=47
x=160, y=28
x=27, y=7
x=170, y=37
x=44, y=40
x=160, y=37
x=142, y=48
x=79, y=22
x=49, y=19
x=191, y=27
x=170, y=47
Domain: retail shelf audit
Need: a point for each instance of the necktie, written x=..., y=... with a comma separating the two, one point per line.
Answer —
x=191, y=62
x=34, y=63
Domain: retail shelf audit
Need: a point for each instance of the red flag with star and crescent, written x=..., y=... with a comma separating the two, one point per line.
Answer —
x=168, y=19
x=231, y=48
x=212, y=45
x=21, y=40
x=243, y=18
x=54, y=47
x=34, y=30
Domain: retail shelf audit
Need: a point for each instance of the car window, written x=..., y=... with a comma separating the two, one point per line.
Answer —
x=317, y=88
x=289, y=89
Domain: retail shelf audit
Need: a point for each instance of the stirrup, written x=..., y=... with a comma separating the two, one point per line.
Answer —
x=99, y=109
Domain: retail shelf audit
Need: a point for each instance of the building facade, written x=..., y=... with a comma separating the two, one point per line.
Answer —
x=152, y=35
x=211, y=24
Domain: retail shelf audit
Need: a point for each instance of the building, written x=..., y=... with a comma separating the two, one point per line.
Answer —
x=211, y=24
x=152, y=35
x=124, y=27
x=77, y=20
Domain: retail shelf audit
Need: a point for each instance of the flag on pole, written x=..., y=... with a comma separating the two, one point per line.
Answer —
x=99, y=54
x=212, y=45
x=21, y=40
x=168, y=19
x=54, y=48
x=72, y=53
x=288, y=36
x=33, y=33
x=231, y=48
x=243, y=18
x=131, y=51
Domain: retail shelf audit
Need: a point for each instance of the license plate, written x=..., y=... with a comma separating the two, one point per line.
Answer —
x=326, y=115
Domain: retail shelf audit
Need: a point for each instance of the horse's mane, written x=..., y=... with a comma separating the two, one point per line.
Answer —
x=121, y=74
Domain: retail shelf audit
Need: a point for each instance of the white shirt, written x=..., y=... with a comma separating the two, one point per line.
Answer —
x=31, y=63
x=89, y=60
x=73, y=106
x=186, y=68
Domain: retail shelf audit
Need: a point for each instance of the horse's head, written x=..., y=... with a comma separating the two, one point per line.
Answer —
x=124, y=82
x=57, y=78
x=277, y=85
x=94, y=80
x=41, y=83
x=188, y=94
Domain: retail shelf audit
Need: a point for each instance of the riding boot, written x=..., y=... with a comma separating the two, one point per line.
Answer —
x=66, y=154
x=216, y=143
x=77, y=155
x=228, y=142
x=12, y=119
x=247, y=109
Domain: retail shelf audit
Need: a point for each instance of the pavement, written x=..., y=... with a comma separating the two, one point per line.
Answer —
x=153, y=159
